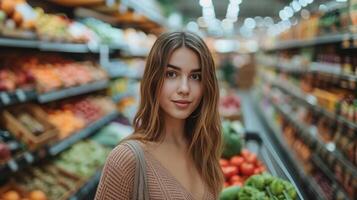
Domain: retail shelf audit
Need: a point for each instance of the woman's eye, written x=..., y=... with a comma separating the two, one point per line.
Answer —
x=196, y=77
x=171, y=74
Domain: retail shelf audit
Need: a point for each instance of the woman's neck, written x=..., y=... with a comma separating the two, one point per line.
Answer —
x=174, y=131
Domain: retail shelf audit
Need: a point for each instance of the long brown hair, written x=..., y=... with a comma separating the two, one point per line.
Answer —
x=203, y=126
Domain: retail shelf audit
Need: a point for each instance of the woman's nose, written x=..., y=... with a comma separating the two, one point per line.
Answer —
x=184, y=88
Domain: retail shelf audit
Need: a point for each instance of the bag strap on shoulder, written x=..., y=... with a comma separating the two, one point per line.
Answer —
x=140, y=191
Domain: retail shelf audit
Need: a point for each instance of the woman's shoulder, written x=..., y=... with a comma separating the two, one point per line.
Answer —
x=122, y=156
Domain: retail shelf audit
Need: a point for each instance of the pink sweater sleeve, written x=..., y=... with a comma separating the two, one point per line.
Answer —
x=117, y=178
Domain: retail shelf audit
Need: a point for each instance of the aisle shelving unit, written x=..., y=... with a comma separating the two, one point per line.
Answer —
x=313, y=41
x=30, y=157
x=73, y=91
x=19, y=96
x=290, y=157
x=55, y=46
x=310, y=134
x=314, y=67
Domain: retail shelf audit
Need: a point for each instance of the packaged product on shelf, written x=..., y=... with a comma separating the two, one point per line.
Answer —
x=324, y=183
x=28, y=122
x=353, y=14
x=229, y=107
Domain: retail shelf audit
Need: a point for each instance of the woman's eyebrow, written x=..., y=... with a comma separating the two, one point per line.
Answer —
x=179, y=69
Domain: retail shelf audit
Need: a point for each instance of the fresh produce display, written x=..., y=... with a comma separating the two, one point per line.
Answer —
x=47, y=72
x=76, y=160
x=19, y=19
x=261, y=187
x=123, y=87
x=232, y=138
x=107, y=34
x=47, y=182
x=112, y=134
x=74, y=115
x=59, y=28
x=138, y=41
x=131, y=68
x=229, y=106
x=65, y=73
x=266, y=186
x=15, y=78
x=240, y=167
x=29, y=124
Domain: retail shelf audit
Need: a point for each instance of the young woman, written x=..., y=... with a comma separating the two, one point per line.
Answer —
x=177, y=126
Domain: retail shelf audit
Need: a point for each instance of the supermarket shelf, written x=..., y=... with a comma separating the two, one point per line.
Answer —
x=28, y=158
x=88, y=187
x=44, y=45
x=63, y=145
x=310, y=135
x=315, y=67
x=19, y=96
x=56, y=46
x=120, y=96
x=144, y=7
x=73, y=91
x=316, y=108
x=118, y=69
x=310, y=42
x=298, y=172
x=317, y=160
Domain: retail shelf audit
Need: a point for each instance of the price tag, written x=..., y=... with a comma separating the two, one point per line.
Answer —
x=5, y=98
x=21, y=95
x=29, y=157
x=13, y=165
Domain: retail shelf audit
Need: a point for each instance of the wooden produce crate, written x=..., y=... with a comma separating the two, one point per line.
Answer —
x=20, y=131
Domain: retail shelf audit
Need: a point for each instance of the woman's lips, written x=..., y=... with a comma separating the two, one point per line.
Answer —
x=181, y=103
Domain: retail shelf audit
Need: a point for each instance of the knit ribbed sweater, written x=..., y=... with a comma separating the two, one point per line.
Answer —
x=117, y=179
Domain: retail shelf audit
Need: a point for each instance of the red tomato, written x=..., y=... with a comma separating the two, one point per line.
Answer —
x=252, y=158
x=245, y=153
x=237, y=160
x=229, y=171
x=257, y=171
x=223, y=162
x=259, y=163
x=235, y=178
x=247, y=169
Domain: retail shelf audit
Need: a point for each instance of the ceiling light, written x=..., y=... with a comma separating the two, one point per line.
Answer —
x=249, y=23
x=303, y=3
x=283, y=15
x=206, y=3
x=296, y=6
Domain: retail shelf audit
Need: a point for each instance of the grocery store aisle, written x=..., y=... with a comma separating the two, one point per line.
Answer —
x=270, y=152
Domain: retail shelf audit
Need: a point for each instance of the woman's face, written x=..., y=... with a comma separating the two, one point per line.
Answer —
x=182, y=89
